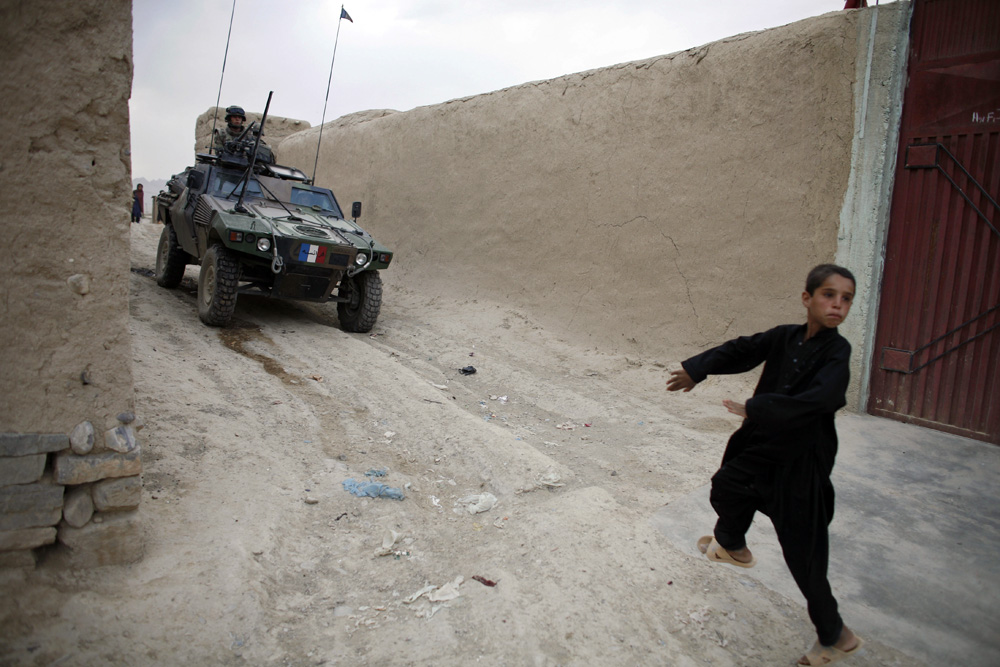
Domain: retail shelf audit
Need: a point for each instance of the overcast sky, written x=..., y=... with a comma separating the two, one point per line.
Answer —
x=397, y=54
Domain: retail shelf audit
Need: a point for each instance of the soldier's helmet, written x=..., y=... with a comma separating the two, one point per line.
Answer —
x=235, y=111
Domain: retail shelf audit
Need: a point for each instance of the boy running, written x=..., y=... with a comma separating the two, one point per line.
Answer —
x=779, y=461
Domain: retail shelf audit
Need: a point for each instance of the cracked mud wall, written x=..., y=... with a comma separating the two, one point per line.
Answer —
x=652, y=208
x=64, y=214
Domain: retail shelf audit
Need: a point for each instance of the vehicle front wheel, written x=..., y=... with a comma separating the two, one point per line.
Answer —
x=217, y=284
x=171, y=259
x=364, y=301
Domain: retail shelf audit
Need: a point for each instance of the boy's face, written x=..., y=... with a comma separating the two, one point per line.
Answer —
x=829, y=304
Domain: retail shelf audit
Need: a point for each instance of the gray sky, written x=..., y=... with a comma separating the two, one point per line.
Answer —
x=397, y=54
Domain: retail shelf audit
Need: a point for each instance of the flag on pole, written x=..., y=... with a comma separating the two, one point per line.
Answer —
x=343, y=15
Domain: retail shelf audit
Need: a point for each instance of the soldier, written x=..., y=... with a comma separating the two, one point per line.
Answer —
x=236, y=118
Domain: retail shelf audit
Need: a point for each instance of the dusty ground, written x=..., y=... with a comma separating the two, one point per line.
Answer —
x=257, y=555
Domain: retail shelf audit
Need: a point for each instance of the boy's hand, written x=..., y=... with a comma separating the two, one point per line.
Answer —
x=680, y=380
x=736, y=408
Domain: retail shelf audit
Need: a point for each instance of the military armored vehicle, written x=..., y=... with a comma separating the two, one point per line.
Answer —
x=256, y=227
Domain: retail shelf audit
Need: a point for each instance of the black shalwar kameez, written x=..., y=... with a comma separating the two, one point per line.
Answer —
x=779, y=461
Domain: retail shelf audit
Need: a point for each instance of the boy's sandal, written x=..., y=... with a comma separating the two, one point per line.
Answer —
x=715, y=553
x=827, y=655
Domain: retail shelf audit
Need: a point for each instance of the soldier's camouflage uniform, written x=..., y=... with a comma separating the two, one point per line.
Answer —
x=222, y=135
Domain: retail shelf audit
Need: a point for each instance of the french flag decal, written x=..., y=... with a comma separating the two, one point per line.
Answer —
x=313, y=254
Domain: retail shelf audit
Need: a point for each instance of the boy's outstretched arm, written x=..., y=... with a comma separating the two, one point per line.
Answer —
x=736, y=356
x=680, y=381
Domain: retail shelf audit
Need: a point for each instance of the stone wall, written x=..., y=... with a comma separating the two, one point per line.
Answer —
x=69, y=460
x=652, y=208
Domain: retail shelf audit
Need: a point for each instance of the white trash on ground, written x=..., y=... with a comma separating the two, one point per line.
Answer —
x=477, y=504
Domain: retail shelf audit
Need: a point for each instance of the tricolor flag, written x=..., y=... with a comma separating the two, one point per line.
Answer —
x=312, y=254
x=345, y=15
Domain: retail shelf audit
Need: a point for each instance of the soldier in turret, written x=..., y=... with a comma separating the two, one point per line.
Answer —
x=236, y=119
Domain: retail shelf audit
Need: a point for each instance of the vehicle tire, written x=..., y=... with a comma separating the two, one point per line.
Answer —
x=171, y=259
x=364, y=301
x=217, y=284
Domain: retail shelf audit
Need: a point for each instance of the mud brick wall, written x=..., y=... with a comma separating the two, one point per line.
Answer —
x=69, y=461
x=651, y=208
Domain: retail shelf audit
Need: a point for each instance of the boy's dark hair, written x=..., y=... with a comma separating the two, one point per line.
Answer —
x=820, y=273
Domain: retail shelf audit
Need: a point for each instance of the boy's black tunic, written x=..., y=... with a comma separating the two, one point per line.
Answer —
x=779, y=461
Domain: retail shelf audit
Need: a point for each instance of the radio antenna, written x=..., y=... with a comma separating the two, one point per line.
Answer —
x=343, y=15
x=211, y=137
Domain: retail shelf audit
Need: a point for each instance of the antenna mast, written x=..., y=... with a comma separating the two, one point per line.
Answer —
x=215, y=120
x=343, y=15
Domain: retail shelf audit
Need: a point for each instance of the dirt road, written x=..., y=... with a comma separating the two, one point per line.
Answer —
x=256, y=553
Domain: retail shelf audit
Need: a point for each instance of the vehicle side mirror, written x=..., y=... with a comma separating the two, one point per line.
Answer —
x=195, y=180
x=356, y=210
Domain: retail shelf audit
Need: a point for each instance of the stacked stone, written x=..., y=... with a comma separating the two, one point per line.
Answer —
x=73, y=489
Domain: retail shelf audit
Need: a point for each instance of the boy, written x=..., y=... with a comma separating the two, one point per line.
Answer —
x=779, y=461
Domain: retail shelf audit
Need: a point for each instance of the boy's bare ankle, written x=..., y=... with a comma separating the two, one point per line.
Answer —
x=847, y=640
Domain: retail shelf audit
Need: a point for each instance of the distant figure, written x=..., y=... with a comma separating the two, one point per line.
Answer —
x=137, y=205
x=236, y=118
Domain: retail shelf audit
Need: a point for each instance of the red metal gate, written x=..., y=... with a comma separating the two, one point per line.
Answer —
x=937, y=344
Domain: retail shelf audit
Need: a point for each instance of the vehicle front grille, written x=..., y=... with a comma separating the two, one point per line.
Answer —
x=308, y=230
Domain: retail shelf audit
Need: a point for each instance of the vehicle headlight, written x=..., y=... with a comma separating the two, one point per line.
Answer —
x=361, y=259
x=263, y=244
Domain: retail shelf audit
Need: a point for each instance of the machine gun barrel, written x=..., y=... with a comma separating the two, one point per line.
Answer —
x=253, y=156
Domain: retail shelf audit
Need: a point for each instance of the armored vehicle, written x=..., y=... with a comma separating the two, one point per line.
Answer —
x=262, y=228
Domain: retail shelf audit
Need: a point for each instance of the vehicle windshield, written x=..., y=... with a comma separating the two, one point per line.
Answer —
x=311, y=198
x=224, y=184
